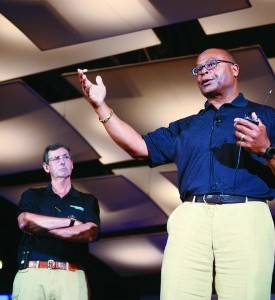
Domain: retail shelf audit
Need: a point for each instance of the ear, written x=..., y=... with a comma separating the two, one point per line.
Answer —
x=235, y=69
x=72, y=163
x=46, y=167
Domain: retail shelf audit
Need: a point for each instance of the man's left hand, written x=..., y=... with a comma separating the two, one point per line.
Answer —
x=250, y=136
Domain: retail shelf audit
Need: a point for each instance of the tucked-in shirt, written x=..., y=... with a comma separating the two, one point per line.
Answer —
x=203, y=147
x=43, y=201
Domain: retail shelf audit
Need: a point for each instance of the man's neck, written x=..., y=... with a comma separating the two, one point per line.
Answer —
x=61, y=186
x=219, y=100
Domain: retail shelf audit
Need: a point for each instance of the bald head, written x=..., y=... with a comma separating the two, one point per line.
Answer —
x=217, y=53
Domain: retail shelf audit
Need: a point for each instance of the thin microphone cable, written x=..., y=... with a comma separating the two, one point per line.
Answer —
x=240, y=149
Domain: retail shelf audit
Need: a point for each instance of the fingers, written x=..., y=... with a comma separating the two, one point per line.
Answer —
x=82, y=77
x=250, y=120
x=246, y=127
x=80, y=74
x=240, y=136
x=95, y=93
x=99, y=80
x=85, y=82
x=254, y=116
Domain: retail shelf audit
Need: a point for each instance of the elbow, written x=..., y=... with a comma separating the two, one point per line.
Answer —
x=133, y=155
x=137, y=149
x=138, y=154
x=93, y=233
x=23, y=221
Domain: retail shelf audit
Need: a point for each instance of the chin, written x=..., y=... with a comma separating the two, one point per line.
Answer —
x=209, y=93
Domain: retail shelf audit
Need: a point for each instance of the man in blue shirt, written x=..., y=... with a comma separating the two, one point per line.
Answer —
x=225, y=156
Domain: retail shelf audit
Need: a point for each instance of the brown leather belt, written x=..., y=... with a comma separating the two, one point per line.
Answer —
x=221, y=199
x=53, y=265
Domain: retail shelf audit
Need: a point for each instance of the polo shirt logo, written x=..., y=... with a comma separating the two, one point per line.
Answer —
x=77, y=207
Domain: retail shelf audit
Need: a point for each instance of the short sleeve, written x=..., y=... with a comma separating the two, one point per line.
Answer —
x=92, y=212
x=28, y=202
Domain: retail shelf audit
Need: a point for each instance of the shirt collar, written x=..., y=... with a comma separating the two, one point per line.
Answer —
x=72, y=191
x=239, y=101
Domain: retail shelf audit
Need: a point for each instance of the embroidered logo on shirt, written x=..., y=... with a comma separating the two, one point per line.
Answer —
x=77, y=207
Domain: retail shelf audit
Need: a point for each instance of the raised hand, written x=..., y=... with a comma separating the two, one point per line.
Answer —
x=94, y=93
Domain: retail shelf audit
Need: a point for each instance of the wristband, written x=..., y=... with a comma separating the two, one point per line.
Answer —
x=73, y=219
x=269, y=152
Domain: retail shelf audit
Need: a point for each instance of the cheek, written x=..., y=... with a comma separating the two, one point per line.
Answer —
x=70, y=166
x=225, y=80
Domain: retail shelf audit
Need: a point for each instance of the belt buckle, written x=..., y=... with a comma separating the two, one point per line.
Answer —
x=220, y=199
x=50, y=264
x=214, y=199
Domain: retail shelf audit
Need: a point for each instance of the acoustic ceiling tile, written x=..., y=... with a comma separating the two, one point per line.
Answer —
x=28, y=124
x=63, y=24
x=132, y=255
x=260, y=13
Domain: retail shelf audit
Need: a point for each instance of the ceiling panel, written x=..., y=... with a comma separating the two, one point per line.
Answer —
x=151, y=181
x=82, y=21
x=132, y=255
x=27, y=125
x=260, y=13
x=123, y=205
x=172, y=176
x=85, y=30
x=20, y=57
x=272, y=64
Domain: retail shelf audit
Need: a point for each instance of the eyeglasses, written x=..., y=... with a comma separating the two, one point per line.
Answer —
x=209, y=65
x=58, y=158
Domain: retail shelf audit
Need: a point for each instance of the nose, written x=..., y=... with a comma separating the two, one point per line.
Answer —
x=62, y=160
x=203, y=70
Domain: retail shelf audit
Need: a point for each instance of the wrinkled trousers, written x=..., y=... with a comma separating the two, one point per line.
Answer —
x=230, y=245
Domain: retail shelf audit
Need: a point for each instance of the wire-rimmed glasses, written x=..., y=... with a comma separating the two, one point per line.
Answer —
x=209, y=65
x=58, y=158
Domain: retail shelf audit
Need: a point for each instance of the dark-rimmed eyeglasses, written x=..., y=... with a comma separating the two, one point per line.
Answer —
x=58, y=158
x=209, y=65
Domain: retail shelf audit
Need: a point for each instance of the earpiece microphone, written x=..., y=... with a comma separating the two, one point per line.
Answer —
x=267, y=97
x=218, y=119
x=248, y=115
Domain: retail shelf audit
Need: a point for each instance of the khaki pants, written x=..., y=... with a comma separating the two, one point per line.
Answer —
x=237, y=239
x=44, y=284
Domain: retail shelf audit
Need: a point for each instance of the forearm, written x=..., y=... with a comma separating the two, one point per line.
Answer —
x=39, y=224
x=57, y=227
x=122, y=133
x=82, y=233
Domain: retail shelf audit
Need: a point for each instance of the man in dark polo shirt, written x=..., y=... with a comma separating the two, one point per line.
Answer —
x=57, y=222
x=225, y=157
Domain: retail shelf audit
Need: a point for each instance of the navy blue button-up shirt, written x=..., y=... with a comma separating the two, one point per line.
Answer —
x=204, y=149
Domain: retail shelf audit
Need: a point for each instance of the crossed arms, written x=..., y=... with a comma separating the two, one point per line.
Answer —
x=40, y=225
